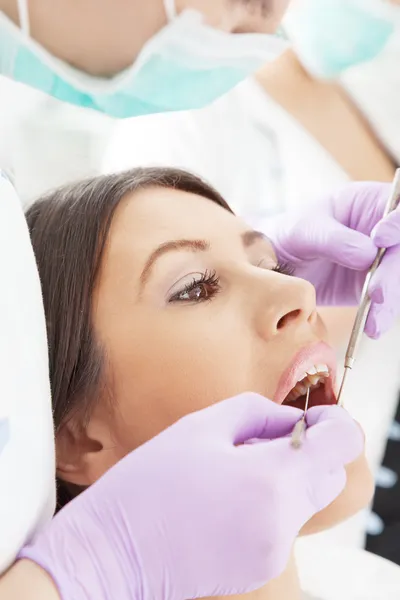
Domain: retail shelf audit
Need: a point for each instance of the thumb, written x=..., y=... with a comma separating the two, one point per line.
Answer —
x=387, y=232
x=342, y=245
x=333, y=438
x=250, y=416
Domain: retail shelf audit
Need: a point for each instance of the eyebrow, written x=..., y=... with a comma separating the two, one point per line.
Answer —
x=248, y=239
x=173, y=245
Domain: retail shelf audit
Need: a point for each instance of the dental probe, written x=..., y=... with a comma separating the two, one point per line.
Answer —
x=300, y=426
x=365, y=303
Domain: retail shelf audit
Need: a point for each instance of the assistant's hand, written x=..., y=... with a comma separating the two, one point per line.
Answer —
x=197, y=511
x=333, y=243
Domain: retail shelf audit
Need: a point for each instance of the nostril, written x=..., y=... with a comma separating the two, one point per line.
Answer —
x=285, y=320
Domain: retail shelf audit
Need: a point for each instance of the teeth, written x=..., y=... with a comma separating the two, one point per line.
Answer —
x=315, y=378
x=302, y=387
x=311, y=379
x=319, y=370
x=312, y=371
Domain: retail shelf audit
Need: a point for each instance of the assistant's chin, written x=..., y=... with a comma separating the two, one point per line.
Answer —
x=356, y=496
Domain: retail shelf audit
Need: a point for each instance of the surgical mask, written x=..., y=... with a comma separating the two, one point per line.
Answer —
x=186, y=65
x=330, y=36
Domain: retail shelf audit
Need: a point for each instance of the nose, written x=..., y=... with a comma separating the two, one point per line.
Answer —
x=286, y=304
x=252, y=22
x=259, y=16
x=255, y=16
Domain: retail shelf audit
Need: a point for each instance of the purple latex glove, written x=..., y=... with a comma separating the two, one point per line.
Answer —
x=333, y=244
x=196, y=511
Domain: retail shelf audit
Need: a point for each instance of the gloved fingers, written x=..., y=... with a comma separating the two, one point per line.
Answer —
x=327, y=238
x=250, y=415
x=313, y=494
x=325, y=487
x=360, y=205
x=332, y=438
x=380, y=319
x=387, y=232
x=327, y=412
x=384, y=291
x=331, y=441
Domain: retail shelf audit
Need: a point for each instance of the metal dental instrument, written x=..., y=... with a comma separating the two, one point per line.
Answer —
x=300, y=426
x=365, y=303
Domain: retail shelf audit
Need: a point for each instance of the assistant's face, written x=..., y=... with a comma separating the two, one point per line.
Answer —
x=191, y=309
x=240, y=16
x=103, y=38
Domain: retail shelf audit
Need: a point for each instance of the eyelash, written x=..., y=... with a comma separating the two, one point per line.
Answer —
x=211, y=280
x=208, y=278
x=284, y=269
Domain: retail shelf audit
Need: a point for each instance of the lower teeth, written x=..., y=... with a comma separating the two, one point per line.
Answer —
x=300, y=389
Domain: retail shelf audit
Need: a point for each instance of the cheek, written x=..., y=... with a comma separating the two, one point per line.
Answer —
x=177, y=366
x=279, y=8
x=356, y=496
x=213, y=10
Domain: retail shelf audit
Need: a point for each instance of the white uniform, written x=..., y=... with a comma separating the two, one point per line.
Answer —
x=27, y=462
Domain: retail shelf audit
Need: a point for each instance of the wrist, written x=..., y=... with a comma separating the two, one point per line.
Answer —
x=84, y=558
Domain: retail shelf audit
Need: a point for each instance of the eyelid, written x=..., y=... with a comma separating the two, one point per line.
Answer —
x=179, y=282
x=271, y=263
x=209, y=278
x=278, y=267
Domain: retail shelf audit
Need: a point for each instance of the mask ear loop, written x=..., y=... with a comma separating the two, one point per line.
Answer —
x=23, y=15
x=169, y=6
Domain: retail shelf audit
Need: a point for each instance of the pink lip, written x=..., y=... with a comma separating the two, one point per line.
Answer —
x=310, y=355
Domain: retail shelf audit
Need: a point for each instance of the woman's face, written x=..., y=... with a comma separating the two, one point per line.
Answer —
x=190, y=310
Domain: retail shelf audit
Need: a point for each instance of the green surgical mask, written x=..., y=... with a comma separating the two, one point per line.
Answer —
x=186, y=65
x=330, y=36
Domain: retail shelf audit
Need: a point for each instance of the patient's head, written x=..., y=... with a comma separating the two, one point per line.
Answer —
x=160, y=301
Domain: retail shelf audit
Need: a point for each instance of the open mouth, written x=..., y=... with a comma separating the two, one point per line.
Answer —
x=319, y=381
x=313, y=368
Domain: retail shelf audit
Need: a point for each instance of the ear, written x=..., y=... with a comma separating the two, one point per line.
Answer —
x=85, y=452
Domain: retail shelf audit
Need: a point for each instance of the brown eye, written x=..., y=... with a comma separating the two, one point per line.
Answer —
x=200, y=292
x=203, y=288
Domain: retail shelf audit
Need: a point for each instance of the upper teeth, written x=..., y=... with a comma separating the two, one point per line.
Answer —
x=315, y=374
x=311, y=379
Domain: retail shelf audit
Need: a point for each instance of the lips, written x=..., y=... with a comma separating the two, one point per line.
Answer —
x=304, y=360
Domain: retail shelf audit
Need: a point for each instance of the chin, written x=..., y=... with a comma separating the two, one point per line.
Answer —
x=356, y=495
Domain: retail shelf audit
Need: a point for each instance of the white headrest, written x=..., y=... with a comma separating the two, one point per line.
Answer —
x=27, y=462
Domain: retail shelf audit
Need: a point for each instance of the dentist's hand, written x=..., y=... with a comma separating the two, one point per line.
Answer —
x=197, y=511
x=333, y=244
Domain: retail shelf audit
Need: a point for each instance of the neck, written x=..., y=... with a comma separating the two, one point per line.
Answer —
x=284, y=587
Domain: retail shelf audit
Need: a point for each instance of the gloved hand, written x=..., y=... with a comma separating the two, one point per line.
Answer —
x=196, y=511
x=333, y=244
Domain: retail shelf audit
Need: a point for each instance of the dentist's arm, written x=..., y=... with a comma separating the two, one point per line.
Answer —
x=151, y=527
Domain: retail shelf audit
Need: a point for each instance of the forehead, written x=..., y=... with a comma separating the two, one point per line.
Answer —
x=152, y=216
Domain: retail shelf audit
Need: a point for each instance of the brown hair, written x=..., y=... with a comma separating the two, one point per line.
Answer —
x=69, y=229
